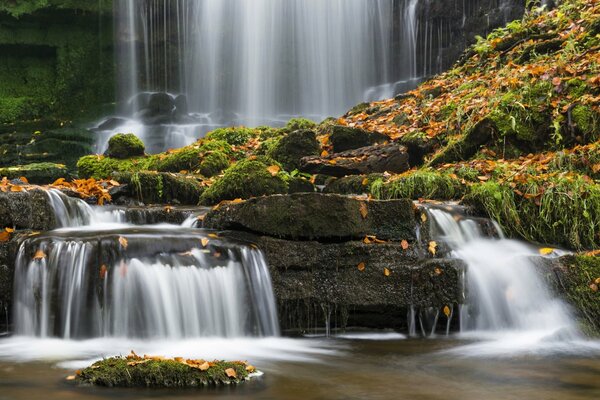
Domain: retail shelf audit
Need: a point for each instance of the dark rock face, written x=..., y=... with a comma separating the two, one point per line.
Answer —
x=291, y=148
x=365, y=160
x=344, y=138
x=8, y=252
x=324, y=217
x=37, y=173
x=26, y=210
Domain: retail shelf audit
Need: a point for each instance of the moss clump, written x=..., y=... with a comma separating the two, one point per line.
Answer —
x=125, y=145
x=586, y=120
x=213, y=163
x=425, y=184
x=100, y=167
x=166, y=373
x=355, y=184
x=37, y=173
x=234, y=136
x=580, y=284
x=291, y=148
x=295, y=124
x=184, y=159
x=245, y=179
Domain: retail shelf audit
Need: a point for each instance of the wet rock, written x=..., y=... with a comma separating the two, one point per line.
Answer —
x=111, y=124
x=324, y=217
x=366, y=160
x=26, y=210
x=160, y=104
x=345, y=138
x=125, y=145
x=151, y=187
x=37, y=173
x=181, y=105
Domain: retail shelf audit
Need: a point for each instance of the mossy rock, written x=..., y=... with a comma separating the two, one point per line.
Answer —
x=298, y=184
x=166, y=373
x=421, y=184
x=39, y=173
x=100, y=167
x=245, y=179
x=213, y=163
x=237, y=136
x=125, y=145
x=355, y=184
x=184, y=159
x=344, y=138
x=295, y=124
x=586, y=120
x=290, y=149
x=468, y=145
x=151, y=187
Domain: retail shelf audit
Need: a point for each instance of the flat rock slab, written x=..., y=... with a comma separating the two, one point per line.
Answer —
x=316, y=216
x=26, y=210
x=365, y=160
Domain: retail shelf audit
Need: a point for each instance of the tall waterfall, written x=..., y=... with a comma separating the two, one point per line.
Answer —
x=504, y=290
x=110, y=279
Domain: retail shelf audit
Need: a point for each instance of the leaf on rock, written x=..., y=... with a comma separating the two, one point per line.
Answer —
x=204, y=242
x=103, y=270
x=230, y=372
x=447, y=311
x=16, y=188
x=432, y=247
x=23, y=179
x=361, y=266
x=594, y=287
x=546, y=250
x=386, y=272
x=404, y=245
x=363, y=210
x=324, y=153
x=39, y=255
x=123, y=242
x=424, y=217
x=4, y=236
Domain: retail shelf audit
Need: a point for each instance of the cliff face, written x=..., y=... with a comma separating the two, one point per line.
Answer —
x=57, y=58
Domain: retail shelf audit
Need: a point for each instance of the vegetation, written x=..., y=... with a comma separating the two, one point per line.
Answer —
x=125, y=145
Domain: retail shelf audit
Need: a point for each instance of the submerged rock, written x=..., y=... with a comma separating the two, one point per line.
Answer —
x=317, y=216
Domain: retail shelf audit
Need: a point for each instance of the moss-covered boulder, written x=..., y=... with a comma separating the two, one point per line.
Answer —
x=152, y=187
x=295, y=124
x=125, y=145
x=317, y=216
x=213, y=163
x=245, y=179
x=420, y=184
x=290, y=149
x=37, y=173
x=158, y=372
x=236, y=136
x=353, y=184
x=345, y=138
x=101, y=167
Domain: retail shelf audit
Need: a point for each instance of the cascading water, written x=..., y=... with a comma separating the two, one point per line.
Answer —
x=242, y=62
x=119, y=280
x=505, y=293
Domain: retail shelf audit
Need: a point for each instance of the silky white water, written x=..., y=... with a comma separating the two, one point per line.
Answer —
x=507, y=299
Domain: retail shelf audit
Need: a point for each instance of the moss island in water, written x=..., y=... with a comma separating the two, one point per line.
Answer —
x=161, y=372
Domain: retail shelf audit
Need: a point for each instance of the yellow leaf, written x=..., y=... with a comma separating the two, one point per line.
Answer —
x=39, y=255
x=361, y=266
x=447, y=311
x=432, y=247
x=386, y=272
x=250, y=368
x=437, y=270
x=546, y=250
x=274, y=169
x=231, y=373
x=424, y=217
x=363, y=210
x=404, y=245
x=213, y=235
x=597, y=281
x=4, y=236
x=9, y=230
x=123, y=242
x=332, y=162
x=70, y=378
x=324, y=153
x=16, y=188
x=365, y=182
x=204, y=242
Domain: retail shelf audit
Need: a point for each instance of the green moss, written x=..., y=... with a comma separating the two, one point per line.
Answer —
x=586, y=120
x=234, y=136
x=291, y=148
x=125, y=145
x=295, y=124
x=115, y=372
x=355, y=184
x=184, y=159
x=213, y=163
x=37, y=173
x=581, y=273
x=577, y=87
x=357, y=109
x=17, y=8
x=100, y=167
x=245, y=179
x=426, y=184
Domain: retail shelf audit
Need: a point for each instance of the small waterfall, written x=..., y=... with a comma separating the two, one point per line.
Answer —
x=141, y=283
x=504, y=291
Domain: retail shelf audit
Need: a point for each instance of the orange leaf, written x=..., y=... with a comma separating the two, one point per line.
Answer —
x=324, y=153
x=361, y=266
x=404, y=245
x=39, y=255
x=386, y=272
x=363, y=210
x=103, y=271
x=4, y=236
x=204, y=242
x=365, y=181
x=123, y=242
x=230, y=372
x=16, y=188
x=23, y=179
x=432, y=247
x=274, y=169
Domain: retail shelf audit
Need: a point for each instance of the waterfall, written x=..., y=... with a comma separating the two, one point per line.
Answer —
x=103, y=278
x=505, y=293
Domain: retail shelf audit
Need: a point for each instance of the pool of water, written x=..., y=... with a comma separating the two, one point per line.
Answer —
x=356, y=366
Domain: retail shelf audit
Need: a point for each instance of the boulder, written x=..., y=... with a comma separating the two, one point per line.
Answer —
x=290, y=149
x=29, y=209
x=125, y=145
x=366, y=160
x=325, y=217
x=161, y=104
x=344, y=138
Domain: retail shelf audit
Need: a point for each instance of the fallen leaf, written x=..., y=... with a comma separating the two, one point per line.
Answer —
x=404, y=244
x=250, y=368
x=386, y=272
x=438, y=271
x=597, y=281
x=432, y=247
x=4, y=236
x=424, y=217
x=447, y=311
x=39, y=255
x=367, y=240
x=123, y=242
x=546, y=250
x=204, y=242
x=594, y=287
x=16, y=188
x=23, y=179
x=103, y=270
x=9, y=230
x=70, y=378
x=324, y=153
x=231, y=373
x=361, y=266
x=213, y=235
x=237, y=201
x=274, y=169
x=363, y=210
